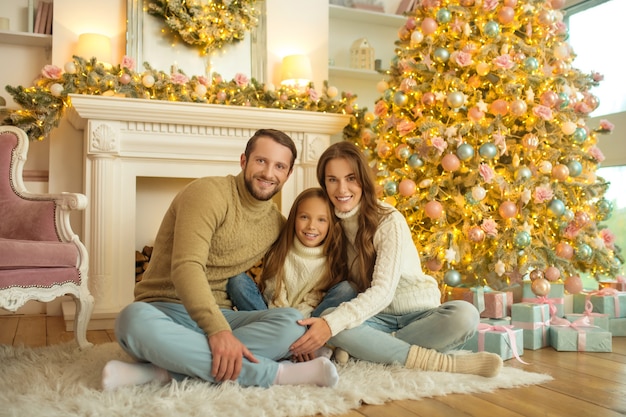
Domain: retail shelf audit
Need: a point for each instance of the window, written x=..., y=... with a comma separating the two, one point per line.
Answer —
x=594, y=27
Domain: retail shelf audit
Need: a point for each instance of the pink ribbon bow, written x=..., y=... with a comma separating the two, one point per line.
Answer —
x=578, y=325
x=542, y=299
x=485, y=327
x=606, y=292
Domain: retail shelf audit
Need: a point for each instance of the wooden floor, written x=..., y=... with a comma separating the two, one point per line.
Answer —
x=585, y=384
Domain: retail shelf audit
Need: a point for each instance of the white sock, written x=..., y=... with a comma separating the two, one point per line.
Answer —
x=319, y=371
x=117, y=374
x=324, y=352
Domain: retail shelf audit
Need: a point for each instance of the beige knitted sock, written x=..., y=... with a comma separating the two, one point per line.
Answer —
x=481, y=363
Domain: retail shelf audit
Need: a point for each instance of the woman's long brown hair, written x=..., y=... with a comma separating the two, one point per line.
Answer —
x=370, y=213
x=334, y=249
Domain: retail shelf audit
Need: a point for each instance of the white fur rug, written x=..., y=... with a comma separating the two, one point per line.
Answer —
x=63, y=381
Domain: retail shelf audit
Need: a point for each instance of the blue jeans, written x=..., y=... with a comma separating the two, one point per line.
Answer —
x=245, y=295
x=163, y=334
x=443, y=328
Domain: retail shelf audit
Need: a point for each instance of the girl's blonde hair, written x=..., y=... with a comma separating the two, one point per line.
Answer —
x=274, y=260
x=370, y=213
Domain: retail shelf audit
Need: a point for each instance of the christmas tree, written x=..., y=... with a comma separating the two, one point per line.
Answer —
x=480, y=139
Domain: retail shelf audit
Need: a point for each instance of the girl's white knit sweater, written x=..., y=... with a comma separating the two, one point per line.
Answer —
x=399, y=286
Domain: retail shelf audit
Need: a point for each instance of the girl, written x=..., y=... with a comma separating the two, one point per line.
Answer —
x=397, y=316
x=304, y=268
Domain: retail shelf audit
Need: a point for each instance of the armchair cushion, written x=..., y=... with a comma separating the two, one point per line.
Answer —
x=25, y=254
x=38, y=277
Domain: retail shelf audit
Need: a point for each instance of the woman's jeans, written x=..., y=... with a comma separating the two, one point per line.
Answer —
x=387, y=338
x=245, y=295
x=163, y=334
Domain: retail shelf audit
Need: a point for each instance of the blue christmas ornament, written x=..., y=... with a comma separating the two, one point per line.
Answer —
x=391, y=188
x=452, y=278
x=556, y=207
x=530, y=64
x=579, y=135
x=584, y=252
x=521, y=239
x=415, y=161
x=563, y=101
x=443, y=15
x=469, y=199
x=488, y=150
x=400, y=99
x=575, y=168
x=441, y=55
x=523, y=173
x=465, y=152
x=491, y=29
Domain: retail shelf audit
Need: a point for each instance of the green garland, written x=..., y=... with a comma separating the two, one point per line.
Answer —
x=211, y=25
x=44, y=103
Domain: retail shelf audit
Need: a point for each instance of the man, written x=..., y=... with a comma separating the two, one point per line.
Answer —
x=181, y=323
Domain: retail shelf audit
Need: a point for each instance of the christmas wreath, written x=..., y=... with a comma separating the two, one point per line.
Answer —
x=208, y=24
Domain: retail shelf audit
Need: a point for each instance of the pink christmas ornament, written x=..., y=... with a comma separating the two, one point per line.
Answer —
x=557, y=4
x=573, y=284
x=560, y=172
x=450, y=162
x=540, y=287
x=549, y=98
x=434, y=264
x=552, y=273
x=433, y=209
x=476, y=234
x=506, y=15
x=499, y=107
x=407, y=187
x=518, y=107
x=507, y=209
x=429, y=26
x=125, y=78
x=475, y=114
x=564, y=250
x=536, y=274
x=428, y=99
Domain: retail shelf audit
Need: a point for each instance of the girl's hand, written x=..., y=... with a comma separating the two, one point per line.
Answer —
x=315, y=337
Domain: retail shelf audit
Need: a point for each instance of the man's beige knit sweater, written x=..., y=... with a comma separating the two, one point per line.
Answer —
x=214, y=229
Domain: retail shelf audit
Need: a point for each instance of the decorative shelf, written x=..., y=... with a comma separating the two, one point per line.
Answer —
x=356, y=73
x=25, y=39
x=366, y=16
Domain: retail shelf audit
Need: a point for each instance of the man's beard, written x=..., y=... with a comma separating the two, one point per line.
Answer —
x=256, y=194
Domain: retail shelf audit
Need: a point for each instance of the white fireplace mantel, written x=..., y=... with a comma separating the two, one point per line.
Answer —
x=127, y=139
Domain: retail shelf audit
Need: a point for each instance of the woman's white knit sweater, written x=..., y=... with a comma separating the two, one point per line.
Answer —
x=303, y=269
x=399, y=286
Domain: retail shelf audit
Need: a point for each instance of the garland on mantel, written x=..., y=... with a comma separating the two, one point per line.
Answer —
x=44, y=103
x=208, y=24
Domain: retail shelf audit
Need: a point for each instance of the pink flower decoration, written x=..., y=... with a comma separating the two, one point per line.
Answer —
x=407, y=85
x=314, y=95
x=486, y=172
x=500, y=142
x=490, y=227
x=606, y=125
x=410, y=23
x=571, y=231
x=596, y=153
x=203, y=80
x=52, y=72
x=608, y=237
x=489, y=5
x=241, y=80
x=542, y=194
x=439, y=143
x=128, y=62
x=178, y=78
x=582, y=107
x=503, y=62
x=597, y=76
x=405, y=127
x=543, y=111
x=381, y=108
x=462, y=59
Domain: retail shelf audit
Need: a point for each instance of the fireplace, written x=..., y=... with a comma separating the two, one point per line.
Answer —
x=128, y=140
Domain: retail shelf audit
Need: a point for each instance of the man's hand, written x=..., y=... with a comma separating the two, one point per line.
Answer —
x=314, y=338
x=228, y=353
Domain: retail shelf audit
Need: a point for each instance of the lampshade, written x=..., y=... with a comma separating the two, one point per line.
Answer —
x=296, y=70
x=94, y=45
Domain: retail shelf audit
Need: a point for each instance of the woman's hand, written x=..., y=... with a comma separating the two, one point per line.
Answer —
x=315, y=337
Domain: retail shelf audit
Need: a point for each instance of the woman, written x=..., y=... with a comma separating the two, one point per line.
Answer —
x=397, y=316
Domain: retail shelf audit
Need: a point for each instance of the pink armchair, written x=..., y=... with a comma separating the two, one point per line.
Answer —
x=41, y=258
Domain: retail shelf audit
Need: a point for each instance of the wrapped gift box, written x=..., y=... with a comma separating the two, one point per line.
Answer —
x=505, y=341
x=595, y=319
x=505, y=321
x=474, y=295
x=618, y=285
x=617, y=327
x=534, y=320
x=605, y=301
x=581, y=339
x=555, y=298
x=497, y=304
